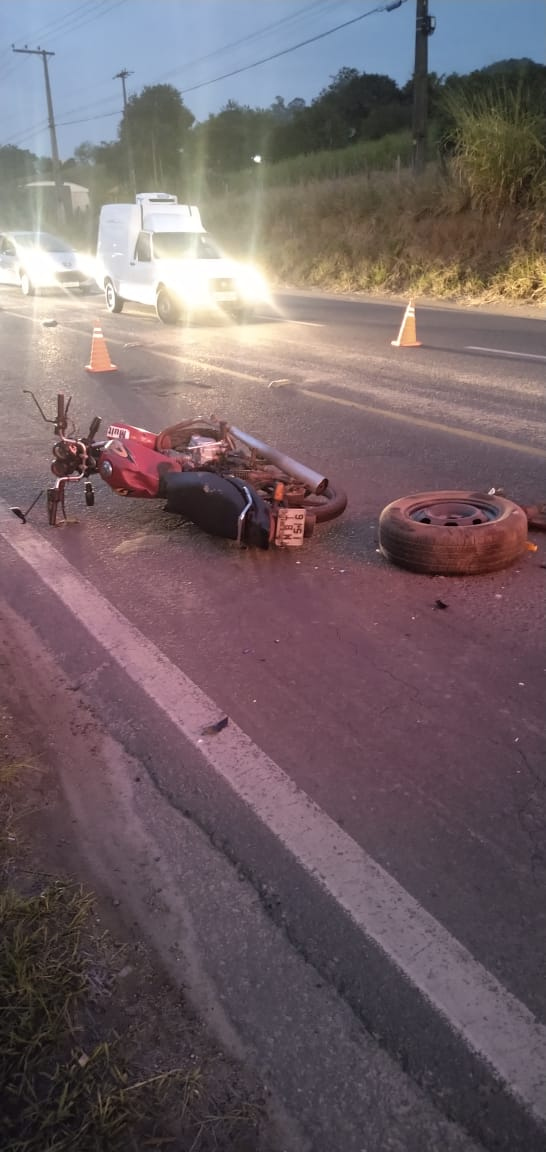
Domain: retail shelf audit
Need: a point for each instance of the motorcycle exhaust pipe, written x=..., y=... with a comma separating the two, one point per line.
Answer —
x=313, y=480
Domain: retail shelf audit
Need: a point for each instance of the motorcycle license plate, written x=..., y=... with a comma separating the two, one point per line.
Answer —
x=225, y=295
x=290, y=527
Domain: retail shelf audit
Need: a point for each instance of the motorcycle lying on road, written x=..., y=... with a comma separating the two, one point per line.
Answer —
x=211, y=473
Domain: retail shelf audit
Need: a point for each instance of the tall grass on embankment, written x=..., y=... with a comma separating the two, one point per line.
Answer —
x=473, y=227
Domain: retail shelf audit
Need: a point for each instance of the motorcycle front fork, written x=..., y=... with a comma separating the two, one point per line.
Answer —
x=56, y=497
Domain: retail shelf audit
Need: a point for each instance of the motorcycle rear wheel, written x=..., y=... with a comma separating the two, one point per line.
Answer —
x=326, y=507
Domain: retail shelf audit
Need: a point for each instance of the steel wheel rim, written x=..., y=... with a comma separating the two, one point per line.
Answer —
x=454, y=513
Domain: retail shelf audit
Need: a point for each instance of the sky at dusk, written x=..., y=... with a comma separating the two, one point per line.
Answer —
x=191, y=43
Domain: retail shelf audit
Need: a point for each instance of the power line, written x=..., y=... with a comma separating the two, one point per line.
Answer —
x=294, y=17
x=386, y=7
x=68, y=23
x=302, y=44
x=53, y=27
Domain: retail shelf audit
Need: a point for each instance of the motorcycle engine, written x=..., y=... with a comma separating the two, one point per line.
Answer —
x=203, y=450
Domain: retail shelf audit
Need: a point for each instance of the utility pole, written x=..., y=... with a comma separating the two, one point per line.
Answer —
x=424, y=27
x=55, y=162
x=122, y=75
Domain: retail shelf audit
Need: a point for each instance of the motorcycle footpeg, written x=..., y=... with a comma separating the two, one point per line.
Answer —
x=220, y=505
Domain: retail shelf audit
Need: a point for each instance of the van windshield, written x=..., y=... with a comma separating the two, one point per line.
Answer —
x=183, y=246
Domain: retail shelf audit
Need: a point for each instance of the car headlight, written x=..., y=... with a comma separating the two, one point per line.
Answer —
x=193, y=289
x=39, y=266
x=87, y=264
x=251, y=284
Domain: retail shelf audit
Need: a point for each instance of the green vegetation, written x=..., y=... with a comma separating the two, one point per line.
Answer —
x=333, y=202
x=499, y=148
x=387, y=233
x=54, y=1094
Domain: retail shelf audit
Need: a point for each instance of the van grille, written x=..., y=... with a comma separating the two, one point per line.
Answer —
x=222, y=284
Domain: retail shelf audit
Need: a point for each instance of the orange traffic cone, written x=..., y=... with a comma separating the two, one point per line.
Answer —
x=100, y=358
x=407, y=336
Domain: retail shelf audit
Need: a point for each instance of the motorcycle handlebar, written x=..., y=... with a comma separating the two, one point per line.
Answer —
x=61, y=421
x=93, y=429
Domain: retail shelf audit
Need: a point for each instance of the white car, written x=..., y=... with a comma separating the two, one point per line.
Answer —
x=34, y=260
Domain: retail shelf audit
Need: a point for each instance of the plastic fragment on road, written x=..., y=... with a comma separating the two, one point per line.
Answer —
x=213, y=729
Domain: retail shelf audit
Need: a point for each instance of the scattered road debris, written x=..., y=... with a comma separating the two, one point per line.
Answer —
x=213, y=729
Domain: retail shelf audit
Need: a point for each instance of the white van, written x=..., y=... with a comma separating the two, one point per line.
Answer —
x=156, y=251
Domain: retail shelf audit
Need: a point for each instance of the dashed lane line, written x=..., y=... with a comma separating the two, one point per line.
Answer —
x=431, y=425
x=505, y=352
x=389, y=414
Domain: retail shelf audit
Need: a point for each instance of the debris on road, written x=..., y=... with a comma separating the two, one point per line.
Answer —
x=213, y=729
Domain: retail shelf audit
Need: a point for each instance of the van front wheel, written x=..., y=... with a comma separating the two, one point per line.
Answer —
x=114, y=303
x=166, y=307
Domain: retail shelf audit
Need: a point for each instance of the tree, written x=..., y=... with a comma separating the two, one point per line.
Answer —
x=85, y=153
x=154, y=130
x=228, y=140
x=353, y=107
x=16, y=164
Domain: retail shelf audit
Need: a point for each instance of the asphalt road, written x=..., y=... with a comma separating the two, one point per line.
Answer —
x=418, y=732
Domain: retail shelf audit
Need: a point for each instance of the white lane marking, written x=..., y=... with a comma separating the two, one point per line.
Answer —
x=489, y=1019
x=305, y=323
x=421, y=422
x=504, y=352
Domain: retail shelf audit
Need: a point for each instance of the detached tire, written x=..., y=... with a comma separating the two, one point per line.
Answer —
x=452, y=533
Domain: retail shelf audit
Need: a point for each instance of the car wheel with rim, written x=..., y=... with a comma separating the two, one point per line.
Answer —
x=453, y=533
x=27, y=287
x=167, y=309
x=114, y=303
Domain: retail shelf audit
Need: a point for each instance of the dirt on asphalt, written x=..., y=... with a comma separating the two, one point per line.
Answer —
x=131, y=1001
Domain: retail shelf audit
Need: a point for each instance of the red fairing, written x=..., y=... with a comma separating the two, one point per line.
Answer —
x=136, y=468
x=128, y=432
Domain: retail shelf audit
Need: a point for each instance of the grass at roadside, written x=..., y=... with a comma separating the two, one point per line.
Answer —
x=70, y=1076
x=387, y=232
x=55, y=1093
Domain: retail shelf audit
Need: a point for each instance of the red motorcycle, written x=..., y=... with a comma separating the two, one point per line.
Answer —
x=226, y=482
